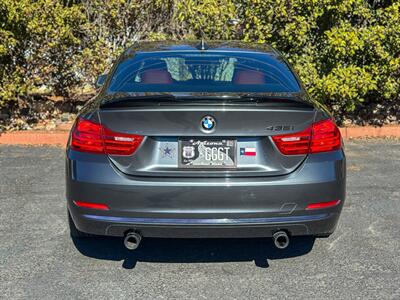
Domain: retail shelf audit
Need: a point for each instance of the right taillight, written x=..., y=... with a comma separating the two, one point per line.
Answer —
x=322, y=136
x=88, y=136
x=325, y=137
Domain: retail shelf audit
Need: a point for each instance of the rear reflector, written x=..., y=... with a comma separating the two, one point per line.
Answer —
x=322, y=136
x=321, y=205
x=92, y=205
x=88, y=136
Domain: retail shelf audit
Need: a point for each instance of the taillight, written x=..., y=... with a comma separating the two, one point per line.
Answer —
x=88, y=136
x=295, y=143
x=322, y=136
x=120, y=143
x=325, y=137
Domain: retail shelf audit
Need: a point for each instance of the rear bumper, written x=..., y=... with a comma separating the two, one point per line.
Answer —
x=320, y=224
x=206, y=207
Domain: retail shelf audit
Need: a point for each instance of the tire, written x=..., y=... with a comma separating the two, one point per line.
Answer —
x=323, y=235
x=74, y=232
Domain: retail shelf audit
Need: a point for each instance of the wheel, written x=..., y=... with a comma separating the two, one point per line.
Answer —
x=74, y=232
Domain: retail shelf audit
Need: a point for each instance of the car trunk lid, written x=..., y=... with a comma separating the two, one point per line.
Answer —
x=168, y=129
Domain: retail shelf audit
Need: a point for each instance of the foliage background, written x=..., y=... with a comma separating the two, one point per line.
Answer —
x=347, y=52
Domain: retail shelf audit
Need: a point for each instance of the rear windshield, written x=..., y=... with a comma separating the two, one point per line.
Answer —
x=208, y=71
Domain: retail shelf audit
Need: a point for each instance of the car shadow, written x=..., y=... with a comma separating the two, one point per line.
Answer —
x=259, y=250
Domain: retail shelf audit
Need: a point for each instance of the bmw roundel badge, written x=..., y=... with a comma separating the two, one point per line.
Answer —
x=208, y=123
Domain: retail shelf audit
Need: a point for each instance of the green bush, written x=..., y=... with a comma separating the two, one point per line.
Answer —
x=346, y=52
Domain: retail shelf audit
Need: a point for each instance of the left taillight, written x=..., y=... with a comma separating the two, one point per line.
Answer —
x=88, y=136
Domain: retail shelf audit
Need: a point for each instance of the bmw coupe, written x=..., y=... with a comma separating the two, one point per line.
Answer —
x=203, y=139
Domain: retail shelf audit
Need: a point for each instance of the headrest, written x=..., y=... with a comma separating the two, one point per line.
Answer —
x=156, y=77
x=248, y=77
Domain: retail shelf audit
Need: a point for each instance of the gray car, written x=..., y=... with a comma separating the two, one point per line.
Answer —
x=197, y=139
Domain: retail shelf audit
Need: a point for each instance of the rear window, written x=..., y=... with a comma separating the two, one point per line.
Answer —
x=209, y=71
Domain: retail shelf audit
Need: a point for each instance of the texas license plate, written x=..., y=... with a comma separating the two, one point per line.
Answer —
x=210, y=153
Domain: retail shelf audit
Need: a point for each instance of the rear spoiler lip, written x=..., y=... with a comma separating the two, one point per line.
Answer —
x=283, y=102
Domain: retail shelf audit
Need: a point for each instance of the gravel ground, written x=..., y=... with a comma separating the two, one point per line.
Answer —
x=38, y=259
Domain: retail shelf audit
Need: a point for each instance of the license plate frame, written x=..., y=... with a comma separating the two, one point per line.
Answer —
x=191, y=162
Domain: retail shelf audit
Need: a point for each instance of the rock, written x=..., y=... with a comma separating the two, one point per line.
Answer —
x=25, y=127
x=51, y=126
x=40, y=127
x=65, y=117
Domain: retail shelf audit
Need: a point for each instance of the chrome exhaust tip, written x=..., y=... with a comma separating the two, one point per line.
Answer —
x=281, y=239
x=132, y=240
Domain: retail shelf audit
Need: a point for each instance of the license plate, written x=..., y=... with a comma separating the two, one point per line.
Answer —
x=210, y=153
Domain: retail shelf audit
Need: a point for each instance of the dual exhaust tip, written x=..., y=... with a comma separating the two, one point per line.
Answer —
x=281, y=239
x=132, y=240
